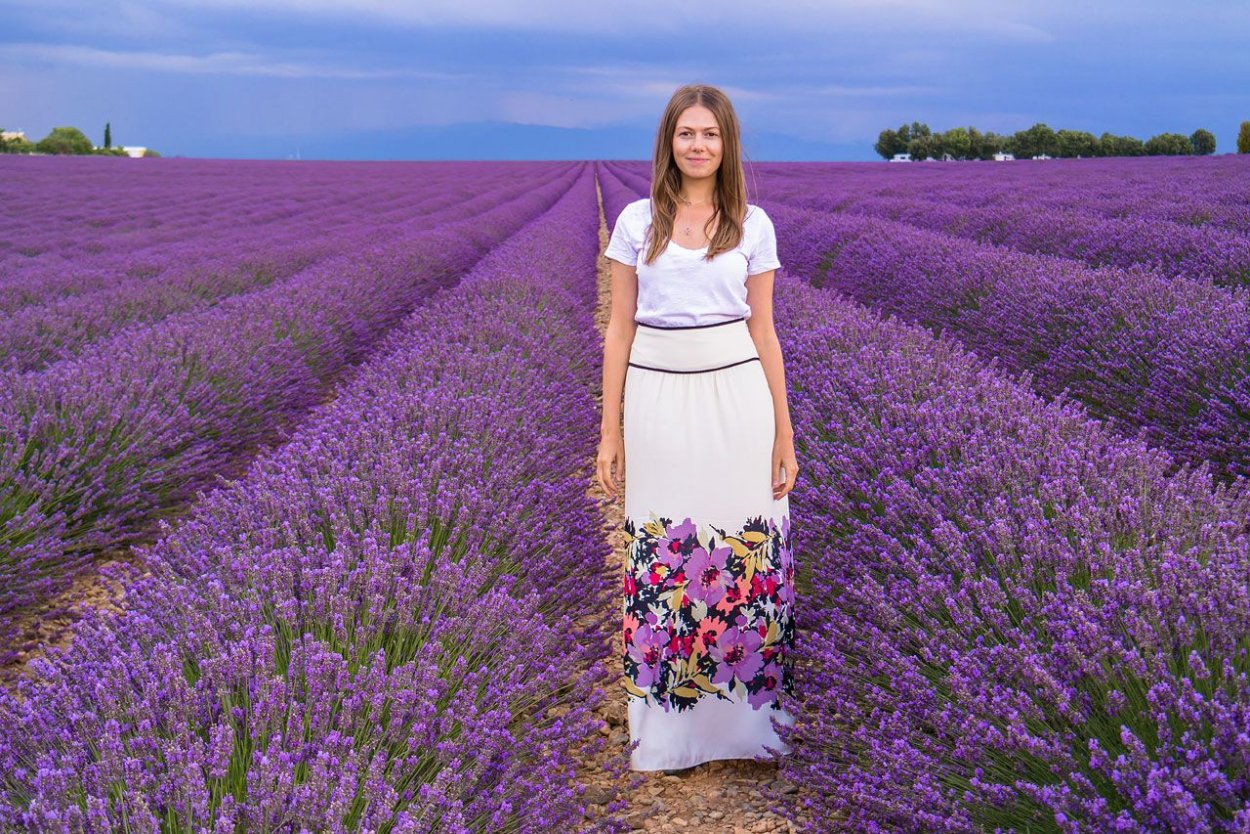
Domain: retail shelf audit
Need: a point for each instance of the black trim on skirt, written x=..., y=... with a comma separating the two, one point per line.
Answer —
x=700, y=371
x=689, y=327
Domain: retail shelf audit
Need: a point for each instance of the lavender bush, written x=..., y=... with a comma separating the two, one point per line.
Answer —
x=1019, y=622
x=1168, y=357
x=203, y=270
x=97, y=447
x=1177, y=217
x=181, y=217
x=1134, y=241
x=375, y=628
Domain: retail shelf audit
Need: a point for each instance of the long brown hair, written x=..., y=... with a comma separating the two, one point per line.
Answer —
x=730, y=194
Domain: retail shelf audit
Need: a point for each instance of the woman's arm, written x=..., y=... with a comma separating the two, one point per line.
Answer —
x=764, y=334
x=617, y=340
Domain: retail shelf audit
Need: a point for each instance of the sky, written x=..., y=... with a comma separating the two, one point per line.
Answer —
x=566, y=79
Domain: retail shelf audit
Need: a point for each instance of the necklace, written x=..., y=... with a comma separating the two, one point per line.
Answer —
x=686, y=228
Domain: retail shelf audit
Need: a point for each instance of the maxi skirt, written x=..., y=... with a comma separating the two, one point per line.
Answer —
x=708, y=625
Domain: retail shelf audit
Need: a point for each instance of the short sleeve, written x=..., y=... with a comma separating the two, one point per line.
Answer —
x=625, y=242
x=763, y=254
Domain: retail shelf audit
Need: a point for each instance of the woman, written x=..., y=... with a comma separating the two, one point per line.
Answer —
x=709, y=447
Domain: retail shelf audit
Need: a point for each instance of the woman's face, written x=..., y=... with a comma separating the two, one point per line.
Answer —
x=697, y=143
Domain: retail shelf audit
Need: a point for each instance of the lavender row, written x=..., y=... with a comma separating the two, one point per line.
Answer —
x=1136, y=242
x=1169, y=249
x=96, y=447
x=1213, y=191
x=1150, y=213
x=615, y=192
x=181, y=237
x=147, y=212
x=376, y=628
x=1015, y=620
x=39, y=334
x=1168, y=358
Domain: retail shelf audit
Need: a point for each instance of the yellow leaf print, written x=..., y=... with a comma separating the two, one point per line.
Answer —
x=654, y=527
x=678, y=595
x=703, y=683
x=773, y=633
x=632, y=689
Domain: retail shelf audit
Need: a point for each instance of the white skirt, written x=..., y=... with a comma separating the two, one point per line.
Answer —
x=708, y=625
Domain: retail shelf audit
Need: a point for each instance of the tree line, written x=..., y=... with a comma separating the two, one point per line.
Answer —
x=920, y=142
x=63, y=141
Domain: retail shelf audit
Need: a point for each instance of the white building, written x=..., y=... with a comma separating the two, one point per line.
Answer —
x=133, y=150
x=1003, y=157
x=11, y=135
x=901, y=157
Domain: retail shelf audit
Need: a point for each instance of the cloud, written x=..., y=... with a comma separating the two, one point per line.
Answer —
x=1009, y=20
x=215, y=63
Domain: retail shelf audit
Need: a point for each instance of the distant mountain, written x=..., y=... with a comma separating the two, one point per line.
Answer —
x=491, y=140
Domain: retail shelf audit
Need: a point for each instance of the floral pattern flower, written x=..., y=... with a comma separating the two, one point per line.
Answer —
x=708, y=612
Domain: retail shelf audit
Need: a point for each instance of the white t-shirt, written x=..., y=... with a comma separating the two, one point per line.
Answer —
x=680, y=288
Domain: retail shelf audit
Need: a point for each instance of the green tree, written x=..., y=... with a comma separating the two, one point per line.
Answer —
x=1203, y=141
x=957, y=142
x=108, y=135
x=16, y=145
x=1039, y=139
x=64, y=140
x=888, y=144
x=1073, y=143
x=1243, y=138
x=1169, y=144
x=925, y=146
x=150, y=152
x=1111, y=145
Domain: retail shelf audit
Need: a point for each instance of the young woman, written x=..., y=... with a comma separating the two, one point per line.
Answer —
x=708, y=445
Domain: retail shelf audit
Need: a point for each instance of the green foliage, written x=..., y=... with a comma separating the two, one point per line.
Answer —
x=1169, y=144
x=983, y=145
x=64, y=140
x=108, y=135
x=1203, y=141
x=16, y=145
x=957, y=142
x=1073, y=143
x=925, y=147
x=1039, y=139
x=888, y=144
x=969, y=143
x=1112, y=145
x=1243, y=138
x=151, y=153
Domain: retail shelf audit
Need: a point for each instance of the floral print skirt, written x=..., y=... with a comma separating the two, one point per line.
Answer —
x=708, y=614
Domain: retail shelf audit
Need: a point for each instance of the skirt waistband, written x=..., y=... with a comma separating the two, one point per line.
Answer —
x=693, y=349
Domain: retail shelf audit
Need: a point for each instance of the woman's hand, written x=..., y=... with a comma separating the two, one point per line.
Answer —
x=785, y=467
x=611, y=453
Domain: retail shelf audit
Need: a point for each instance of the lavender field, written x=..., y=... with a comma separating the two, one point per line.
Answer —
x=1021, y=395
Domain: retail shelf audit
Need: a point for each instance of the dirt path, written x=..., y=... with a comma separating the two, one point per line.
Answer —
x=721, y=797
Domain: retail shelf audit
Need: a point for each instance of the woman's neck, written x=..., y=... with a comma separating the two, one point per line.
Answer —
x=698, y=192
